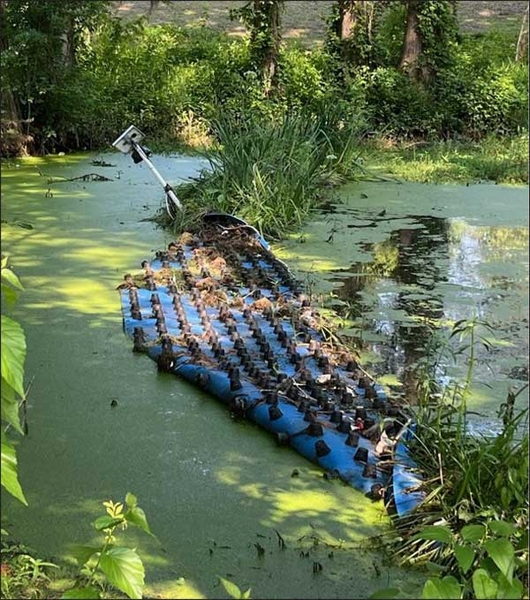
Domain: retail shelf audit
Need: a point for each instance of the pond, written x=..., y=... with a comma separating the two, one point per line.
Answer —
x=402, y=261
x=217, y=493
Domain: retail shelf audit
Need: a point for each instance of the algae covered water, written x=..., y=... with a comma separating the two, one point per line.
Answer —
x=219, y=494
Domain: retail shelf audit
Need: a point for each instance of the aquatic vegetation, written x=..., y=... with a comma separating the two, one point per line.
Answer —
x=503, y=160
x=272, y=173
x=473, y=524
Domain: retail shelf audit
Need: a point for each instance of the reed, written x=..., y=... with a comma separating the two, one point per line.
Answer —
x=476, y=505
x=273, y=173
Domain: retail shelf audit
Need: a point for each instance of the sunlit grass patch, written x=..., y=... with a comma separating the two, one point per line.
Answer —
x=503, y=160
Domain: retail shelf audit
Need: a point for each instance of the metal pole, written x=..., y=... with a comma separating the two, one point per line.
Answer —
x=167, y=188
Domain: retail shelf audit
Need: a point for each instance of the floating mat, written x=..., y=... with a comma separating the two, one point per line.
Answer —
x=220, y=310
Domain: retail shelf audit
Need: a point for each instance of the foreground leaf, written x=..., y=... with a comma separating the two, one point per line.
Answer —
x=484, y=586
x=11, y=278
x=231, y=588
x=10, y=409
x=510, y=591
x=13, y=354
x=9, y=472
x=84, y=552
x=464, y=556
x=131, y=500
x=124, y=570
x=447, y=588
x=81, y=593
x=473, y=533
x=107, y=522
x=502, y=554
x=438, y=533
x=502, y=528
x=136, y=516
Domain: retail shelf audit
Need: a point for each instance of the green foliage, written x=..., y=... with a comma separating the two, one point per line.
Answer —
x=438, y=28
x=13, y=356
x=262, y=19
x=490, y=561
x=176, y=83
x=472, y=528
x=42, y=43
x=233, y=590
x=271, y=172
x=22, y=573
x=362, y=48
x=120, y=566
x=395, y=104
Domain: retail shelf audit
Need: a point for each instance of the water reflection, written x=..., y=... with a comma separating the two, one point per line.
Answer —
x=402, y=262
x=412, y=259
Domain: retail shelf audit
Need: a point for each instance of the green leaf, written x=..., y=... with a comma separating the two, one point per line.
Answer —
x=231, y=588
x=502, y=528
x=9, y=472
x=13, y=354
x=384, y=593
x=502, y=554
x=447, y=588
x=137, y=517
x=124, y=570
x=465, y=556
x=81, y=593
x=439, y=533
x=246, y=594
x=435, y=568
x=107, y=522
x=11, y=278
x=510, y=591
x=9, y=407
x=10, y=295
x=484, y=586
x=84, y=552
x=131, y=500
x=473, y=533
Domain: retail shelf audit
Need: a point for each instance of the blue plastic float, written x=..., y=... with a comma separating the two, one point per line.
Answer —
x=218, y=309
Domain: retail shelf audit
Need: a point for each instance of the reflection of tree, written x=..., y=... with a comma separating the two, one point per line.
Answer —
x=497, y=240
x=419, y=251
x=410, y=257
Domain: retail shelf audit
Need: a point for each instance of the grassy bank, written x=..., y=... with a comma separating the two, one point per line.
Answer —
x=498, y=159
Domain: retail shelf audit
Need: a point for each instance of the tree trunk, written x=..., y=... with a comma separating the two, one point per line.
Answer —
x=522, y=42
x=266, y=39
x=412, y=43
x=346, y=20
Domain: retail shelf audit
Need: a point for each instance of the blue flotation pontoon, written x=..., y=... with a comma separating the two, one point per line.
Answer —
x=220, y=310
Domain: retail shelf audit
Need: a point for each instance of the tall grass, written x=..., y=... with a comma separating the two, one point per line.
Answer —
x=272, y=173
x=470, y=479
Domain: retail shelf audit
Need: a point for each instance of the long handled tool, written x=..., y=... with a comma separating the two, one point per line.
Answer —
x=129, y=143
